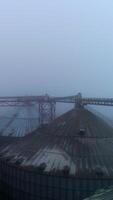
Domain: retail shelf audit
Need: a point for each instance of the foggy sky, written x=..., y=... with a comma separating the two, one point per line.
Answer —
x=58, y=47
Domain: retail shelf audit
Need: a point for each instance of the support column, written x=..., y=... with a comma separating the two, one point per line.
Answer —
x=78, y=101
x=46, y=112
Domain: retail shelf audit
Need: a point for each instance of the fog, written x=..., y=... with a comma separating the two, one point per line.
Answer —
x=56, y=47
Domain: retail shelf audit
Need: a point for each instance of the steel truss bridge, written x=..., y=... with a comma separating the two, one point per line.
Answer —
x=47, y=104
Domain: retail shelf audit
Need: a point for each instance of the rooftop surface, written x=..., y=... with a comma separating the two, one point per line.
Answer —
x=78, y=142
x=103, y=194
x=18, y=121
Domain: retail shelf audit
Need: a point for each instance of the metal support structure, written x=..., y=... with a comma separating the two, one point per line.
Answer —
x=46, y=112
x=78, y=100
x=47, y=103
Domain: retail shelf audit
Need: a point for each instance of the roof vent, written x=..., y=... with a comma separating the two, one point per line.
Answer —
x=99, y=171
x=82, y=132
x=66, y=170
x=61, y=124
x=42, y=166
x=19, y=161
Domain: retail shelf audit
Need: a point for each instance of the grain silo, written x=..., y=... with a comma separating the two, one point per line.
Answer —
x=69, y=159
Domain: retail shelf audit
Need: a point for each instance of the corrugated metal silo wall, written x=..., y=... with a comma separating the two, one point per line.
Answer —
x=21, y=184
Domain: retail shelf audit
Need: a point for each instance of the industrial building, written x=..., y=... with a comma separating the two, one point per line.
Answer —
x=69, y=159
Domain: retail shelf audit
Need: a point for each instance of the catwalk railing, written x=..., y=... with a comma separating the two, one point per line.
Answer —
x=22, y=183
